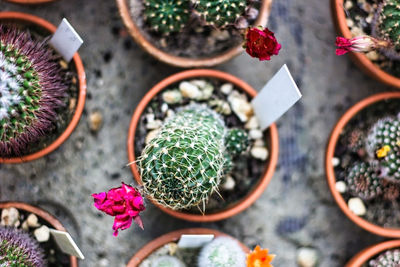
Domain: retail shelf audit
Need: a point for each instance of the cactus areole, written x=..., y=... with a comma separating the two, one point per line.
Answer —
x=32, y=88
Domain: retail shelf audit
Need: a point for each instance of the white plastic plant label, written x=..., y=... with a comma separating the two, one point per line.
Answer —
x=66, y=40
x=277, y=97
x=66, y=243
x=194, y=241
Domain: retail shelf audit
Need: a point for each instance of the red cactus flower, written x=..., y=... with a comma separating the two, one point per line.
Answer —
x=363, y=43
x=261, y=43
x=124, y=202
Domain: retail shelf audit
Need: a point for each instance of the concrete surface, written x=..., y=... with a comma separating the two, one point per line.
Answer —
x=296, y=209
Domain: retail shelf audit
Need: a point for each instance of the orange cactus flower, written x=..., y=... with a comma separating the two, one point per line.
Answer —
x=259, y=258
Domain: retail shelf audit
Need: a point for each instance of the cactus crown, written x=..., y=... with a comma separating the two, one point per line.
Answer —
x=166, y=16
x=388, y=21
x=390, y=258
x=236, y=141
x=31, y=89
x=184, y=164
x=222, y=252
x=363, y=181
x=166, y=261
x=220, y=13
x=19, y=249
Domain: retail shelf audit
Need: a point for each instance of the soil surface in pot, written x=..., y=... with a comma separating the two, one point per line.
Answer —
x=194, y=40
x=360, y=18
x=64, y=114
x=350, y=149
x=248, y=167
x=53, y=255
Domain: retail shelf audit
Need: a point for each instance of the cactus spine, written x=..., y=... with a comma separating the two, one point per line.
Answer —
x=388, y=21
x=167, y=261
x=363, y=181
x=18, y=249
x=390, y=258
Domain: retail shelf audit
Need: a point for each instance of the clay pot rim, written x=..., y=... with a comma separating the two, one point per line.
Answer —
x=145, y=251
x=368, y=253
x=30, y=2
x=27, y=18
x=185, y=62
x=43, y=215
x=258, y=189
x=330, y=173
x=360, y=59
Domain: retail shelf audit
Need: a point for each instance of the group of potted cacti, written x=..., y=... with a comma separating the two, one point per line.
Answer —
x=194, y=139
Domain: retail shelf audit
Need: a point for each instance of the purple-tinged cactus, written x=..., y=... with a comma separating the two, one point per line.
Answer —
x=32, y=88
x=19, y=249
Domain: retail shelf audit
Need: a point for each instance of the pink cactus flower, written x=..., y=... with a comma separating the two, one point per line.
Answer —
x=124, y=203
x=358, y=44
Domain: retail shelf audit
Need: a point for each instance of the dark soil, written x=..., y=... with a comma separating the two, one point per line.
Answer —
x=53, y=255
x=379, y=211
x=361, y=14
x=194, y=41
x=247, y=170
x=64, y=114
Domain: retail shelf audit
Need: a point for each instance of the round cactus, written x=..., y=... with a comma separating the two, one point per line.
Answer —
x=388, y=27
x=19, y=249
x=220, y=13
x=167, y=261
x=222, y=252
x=166, y=16
x=184, y=164
x=363, y=181
x=390, y=258
x=236, y=141
x=32, y=87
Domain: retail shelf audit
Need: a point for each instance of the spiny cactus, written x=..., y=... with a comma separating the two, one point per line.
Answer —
x=222, y=252
x=388, y=21
x=383, y=143
x=236, y=141
x=166, y=16
x=390, y=258
x=184, y=164
x=167, y=261
x=220, y=13
x=18, y=249
x=363, y=181
x=32, y=87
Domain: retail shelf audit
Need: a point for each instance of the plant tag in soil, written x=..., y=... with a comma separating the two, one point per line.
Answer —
x=277, y=97
x=194, y=241
x=66, y=40
x=66, y=243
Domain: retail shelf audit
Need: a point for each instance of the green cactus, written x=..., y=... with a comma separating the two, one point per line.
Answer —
x=18, y=249
x=363, y=181
x=220, y=13
x=167, y=261
x=184, y=164
x=222, y=252
x=236, y=141
x=166, y=16
x=389, y=258
x=388, y=22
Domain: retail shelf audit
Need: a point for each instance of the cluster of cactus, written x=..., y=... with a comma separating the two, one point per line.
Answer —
x=32, y=87
x=222, y=252
x=170, y=16
x=379, y=174
x=390, y=258
x=18, y=249
x=184, y=164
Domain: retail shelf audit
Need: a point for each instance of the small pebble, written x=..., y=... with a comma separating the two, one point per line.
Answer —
x=63, y=64
x=155, y=124
x=164, y=107
x=189, y=90
x=172, y=247
x=350, y=23
x=151, y=135
x=259, y=142
x=32, y=220
x=348, y=4
x=255, y=134
x=252, y=123
x=356, y=205
x=226, y=88
x=341, y=187
x=10, y=217
x=259, y=152
x=199, y=83
x=307, y=257
x=373, y=55
x=229, y=183
x=25, y=226
x=240, y=106
x=42, y=234
x=335, y=161
x=172, y=97
x=95, y=121
x=72, y=103
x=170, y=113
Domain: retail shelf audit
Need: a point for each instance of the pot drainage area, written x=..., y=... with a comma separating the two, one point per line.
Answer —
x=301, y=211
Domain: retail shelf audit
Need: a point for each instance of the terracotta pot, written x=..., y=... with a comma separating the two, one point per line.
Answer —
x=30, y=2
x=42, y=215
x=28, y=19
x=372, y=251
x=360, y=59
x=185, y=62
x=144, y=252
x=272, y=140
x=330, y=152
